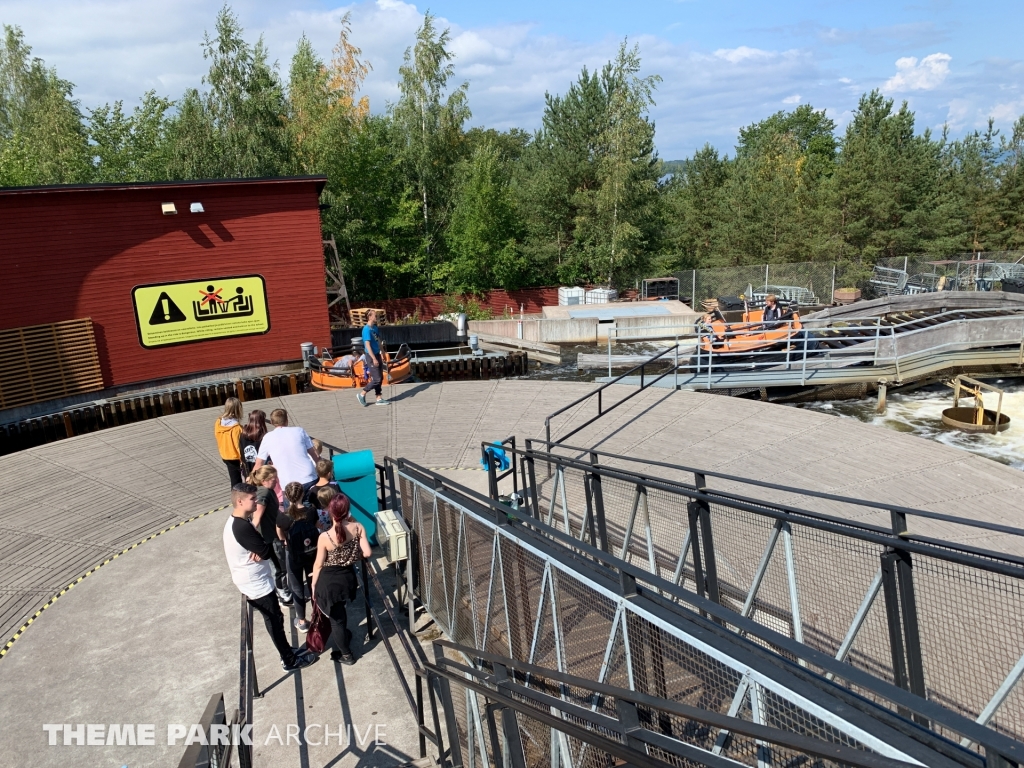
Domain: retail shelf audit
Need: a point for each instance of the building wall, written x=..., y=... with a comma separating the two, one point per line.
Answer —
x=78, y=253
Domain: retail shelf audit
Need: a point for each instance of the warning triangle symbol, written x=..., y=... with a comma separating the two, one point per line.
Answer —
x=166, y=311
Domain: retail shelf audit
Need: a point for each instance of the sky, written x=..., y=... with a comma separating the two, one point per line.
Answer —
x=724, y=64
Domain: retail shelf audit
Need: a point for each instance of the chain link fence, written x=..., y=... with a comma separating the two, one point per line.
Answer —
x=810, y=283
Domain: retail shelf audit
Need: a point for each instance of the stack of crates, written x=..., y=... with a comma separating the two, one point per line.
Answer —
x=357, y=317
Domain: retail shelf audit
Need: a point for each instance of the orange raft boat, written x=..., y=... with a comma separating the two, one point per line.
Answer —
x=326, y=376
x=752, y=334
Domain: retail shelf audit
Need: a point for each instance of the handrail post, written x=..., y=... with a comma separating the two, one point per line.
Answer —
x=803, y=371
x=675, y=365
x=901, y=616
x=492, y=472
x=703, y=549
x=598, y=501
x=609, y=352
x=711, y=344
x=790, y=346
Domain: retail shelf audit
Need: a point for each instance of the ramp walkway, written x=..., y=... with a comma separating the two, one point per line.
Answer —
x=839, y=347
x=514, y=590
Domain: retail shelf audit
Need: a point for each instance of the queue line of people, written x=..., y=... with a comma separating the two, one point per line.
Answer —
x=291, y=538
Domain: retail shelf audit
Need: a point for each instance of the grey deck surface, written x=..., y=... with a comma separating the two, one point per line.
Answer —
x=71, y=505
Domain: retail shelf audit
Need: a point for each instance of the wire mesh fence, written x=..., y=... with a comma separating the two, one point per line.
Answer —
x=492, y=589
x=810, y=283
x=947, y=626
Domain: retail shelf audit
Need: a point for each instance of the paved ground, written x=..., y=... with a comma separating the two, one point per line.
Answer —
x=148, y=636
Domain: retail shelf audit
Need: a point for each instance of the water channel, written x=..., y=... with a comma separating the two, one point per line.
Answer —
x=919, y=412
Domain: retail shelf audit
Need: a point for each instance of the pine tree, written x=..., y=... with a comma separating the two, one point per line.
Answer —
x=883, y=190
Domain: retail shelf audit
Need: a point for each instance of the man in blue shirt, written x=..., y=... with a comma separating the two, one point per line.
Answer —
x=374, y=360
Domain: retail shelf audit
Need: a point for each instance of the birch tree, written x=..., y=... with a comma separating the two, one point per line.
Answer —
x=428, y=126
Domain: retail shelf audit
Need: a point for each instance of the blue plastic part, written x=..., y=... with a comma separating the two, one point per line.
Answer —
x=356, y=475
x=498, y=454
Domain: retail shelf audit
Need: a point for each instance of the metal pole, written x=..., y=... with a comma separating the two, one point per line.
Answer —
x=610, y=353
x=693, y=293
x=675, y=363
x=599, y=516
x=832, y=296
x=766, y=278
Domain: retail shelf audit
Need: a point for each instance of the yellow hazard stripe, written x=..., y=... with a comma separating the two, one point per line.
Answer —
x=126, y=550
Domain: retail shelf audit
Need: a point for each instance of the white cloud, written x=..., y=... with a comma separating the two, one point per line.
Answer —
x=743, y=53
x=1007, y=111
x=118, y=49
x=924, y=75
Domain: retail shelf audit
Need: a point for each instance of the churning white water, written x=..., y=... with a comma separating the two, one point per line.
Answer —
x=920, y=413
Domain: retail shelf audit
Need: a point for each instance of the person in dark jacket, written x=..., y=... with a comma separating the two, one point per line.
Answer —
x=248, y=556
x=265, y=520
x=772, y=316
x=250, y=438
x=297, y=527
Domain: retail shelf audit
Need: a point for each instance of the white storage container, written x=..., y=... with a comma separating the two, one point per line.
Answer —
x=568, y=296
x=601, y=295
x=393, y=534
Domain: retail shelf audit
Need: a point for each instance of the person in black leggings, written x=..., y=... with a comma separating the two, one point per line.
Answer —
x=334, y=575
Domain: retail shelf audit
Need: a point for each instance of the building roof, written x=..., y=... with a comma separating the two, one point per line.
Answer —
x=320, y=181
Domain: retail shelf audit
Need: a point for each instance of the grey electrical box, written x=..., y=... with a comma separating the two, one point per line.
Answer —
x=393, y=535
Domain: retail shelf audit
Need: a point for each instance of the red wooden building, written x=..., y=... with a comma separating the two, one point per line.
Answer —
x=235, y=271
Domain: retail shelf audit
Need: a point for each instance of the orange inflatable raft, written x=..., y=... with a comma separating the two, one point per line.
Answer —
x=327, y=373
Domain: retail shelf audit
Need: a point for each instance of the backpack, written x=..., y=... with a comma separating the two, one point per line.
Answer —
x=302, y=538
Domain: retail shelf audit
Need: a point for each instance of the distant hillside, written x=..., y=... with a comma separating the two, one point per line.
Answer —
x=672, y=166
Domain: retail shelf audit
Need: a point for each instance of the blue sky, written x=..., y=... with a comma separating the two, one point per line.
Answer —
x=724, y=64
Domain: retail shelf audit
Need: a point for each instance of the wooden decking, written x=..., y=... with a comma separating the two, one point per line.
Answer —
x=69, y=505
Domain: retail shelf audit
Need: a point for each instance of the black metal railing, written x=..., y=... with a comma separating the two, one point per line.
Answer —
x=217, y=752
x=599, y=393
x=493, y=578
x=606, y=724
x=942, y=620
x=371, y=574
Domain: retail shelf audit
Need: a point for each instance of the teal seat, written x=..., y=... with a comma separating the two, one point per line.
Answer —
x=356, y=475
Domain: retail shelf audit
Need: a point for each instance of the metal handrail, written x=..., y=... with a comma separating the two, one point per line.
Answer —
x=717, y=619
x=642, y=367
x=801, y=349
x=855, y=758
x=879, y=506
x=896, y=539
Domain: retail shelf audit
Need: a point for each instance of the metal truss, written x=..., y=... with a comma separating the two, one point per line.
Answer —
x=502, y=582
x=941, y=620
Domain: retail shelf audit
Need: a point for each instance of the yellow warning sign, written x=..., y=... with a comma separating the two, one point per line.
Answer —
x=200, y=310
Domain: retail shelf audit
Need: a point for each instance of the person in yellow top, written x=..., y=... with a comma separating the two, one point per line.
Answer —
x=227, y=429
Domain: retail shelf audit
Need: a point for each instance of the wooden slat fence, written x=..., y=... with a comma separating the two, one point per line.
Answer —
x=45, y=362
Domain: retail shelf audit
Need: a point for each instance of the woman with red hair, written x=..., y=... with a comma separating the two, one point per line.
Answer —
x=338, y=549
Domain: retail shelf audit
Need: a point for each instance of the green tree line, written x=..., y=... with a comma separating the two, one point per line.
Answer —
x=419, y=203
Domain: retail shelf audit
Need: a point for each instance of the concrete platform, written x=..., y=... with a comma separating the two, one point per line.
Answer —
x=147, y=637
